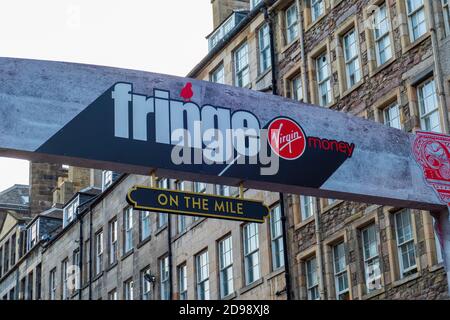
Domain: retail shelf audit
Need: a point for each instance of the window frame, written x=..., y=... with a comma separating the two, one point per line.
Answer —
x=99, y=237
x=403, y=272
x=353, y=60
x=225, y=269
x=128, y=289
x=325, y=81
x=313, y=3
x=423, y=114
x=249, y=255
x=276, y=239
x=128, y=224
x=220, y=69
x=446, y=13
x=387, y=115
x=202, y=283
x=146, y=287
x=182, y=281
x=410, y=15
x=291, y=36
x=264, y=49
x=368, y=261
x=52, y=287
x=337, y=274
x=378, y=38
x=312, y=288
x=241, y=73
x=145, y=224
x=164, y=278
x=113, y=241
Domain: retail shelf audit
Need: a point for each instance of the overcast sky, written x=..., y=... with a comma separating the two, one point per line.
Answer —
x=160, y=36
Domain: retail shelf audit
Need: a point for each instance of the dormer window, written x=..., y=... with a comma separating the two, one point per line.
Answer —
x=107, y=179
x=70, y=211
x=33, y=232
x=225, y=28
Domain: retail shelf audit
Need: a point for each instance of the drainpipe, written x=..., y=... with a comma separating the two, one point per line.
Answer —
x=319, y=259
x=437, y=67
x=169, y=253
x=90, y=252
x=80, y=253
x=281, y=195
x=302, y=53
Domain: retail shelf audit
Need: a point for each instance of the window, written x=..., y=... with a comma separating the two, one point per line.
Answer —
x=405, y=243
x=297, y=88
x=112, y=295
x=74, y=285
x=202, y=268
x=381, y=35
x=181, y=223
x=145, y=284
x=113, y=242
x=371, y=260
x=351, y=56
x=12, y=294
x=182, y=281
x=65, y=279
x=145, y=225
x=38, y=281
x=199, y=187
x=307, y=207
x=276, y=235
x=251, y=253
x=22, y=288
x=33, y=235
x=52, y=285
x=30, y=286
x=163, y=217
x=446, y=10
x=291, y=24
x=317, y=9
x=70, y=211
x=241, y=67
x=340, y=272
x=428, y=107
x=218, y=75
x=164, y=278
x=128, y=289
x=264, y=48
x=107, y=179
x=223, y=190
x=312, y=280
x=439, y=256
x=391, y=115
x=223, y=30
x=128, y=230
x=99, y=252
x=13, y=249
x=1, y=261
x=226, y=267
x=6, y=256
x=323, y=79
x=416, y=18
x=254, y=3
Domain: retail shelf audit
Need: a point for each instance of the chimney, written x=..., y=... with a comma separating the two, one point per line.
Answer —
x=223, y=8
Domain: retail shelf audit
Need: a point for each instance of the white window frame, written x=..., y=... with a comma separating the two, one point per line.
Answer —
x=202, y=275
x=145, y=285
x=113, y=241
x=254, y=3
x=307, y=207
x=98, y=252
x=128, y=222
x=221, y=31
x=353, y=78
x=312, y=279
x=199, y=187
x=226, y=277
x=371, y=259
x=129, y=289
x=405, y=243
x=218, y=74
x=391, y=116
x=446, y=12
x=325, y=81
x=412, y=13
x=112, y=295
x=425, y=115
x=320, y=5
x=265, y=62
x=146, y=227
x=252, y=261
x=382, y=33
x=163, y=218
x=297, y=90
x=164, y=278
x=276, y=237
x=291, y=25
x=52, y=284
x=223, y=190
x=242, y=73
x=107, y=179
x=339, y=272
x=65, y=279
x=33, y=232
x=182, y=281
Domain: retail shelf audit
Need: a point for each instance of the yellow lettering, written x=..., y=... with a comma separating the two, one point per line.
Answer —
x=186, y=199
x=162, y=199
x=239, y=208
x=219, y=206
x=173, y=200
x=205, y=204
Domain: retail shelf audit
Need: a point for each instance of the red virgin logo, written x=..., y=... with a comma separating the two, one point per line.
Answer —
x=286, y=138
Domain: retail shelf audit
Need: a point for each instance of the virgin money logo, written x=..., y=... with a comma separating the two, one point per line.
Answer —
x=286, y=138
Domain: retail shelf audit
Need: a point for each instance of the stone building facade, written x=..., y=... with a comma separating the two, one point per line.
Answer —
x=383, y=60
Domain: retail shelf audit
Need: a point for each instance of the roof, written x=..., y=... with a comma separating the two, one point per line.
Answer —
x=17, y=195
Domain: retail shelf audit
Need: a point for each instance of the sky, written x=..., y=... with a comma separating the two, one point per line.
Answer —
x=159, y=36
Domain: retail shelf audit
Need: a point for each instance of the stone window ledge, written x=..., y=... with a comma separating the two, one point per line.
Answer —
x=352, y=89
x=112, y=266
x=126, y=255
x=416, y=43
x=405, y=280
x=437, y=267
x=304, y=223
x=159, y=230
x=98, y=276
x=380, y=68
x=373, y=294
x=275, y=273
x=251, y=286
x=143, y=242
x=289, y=45
x=329, y=207
x=231, y=296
